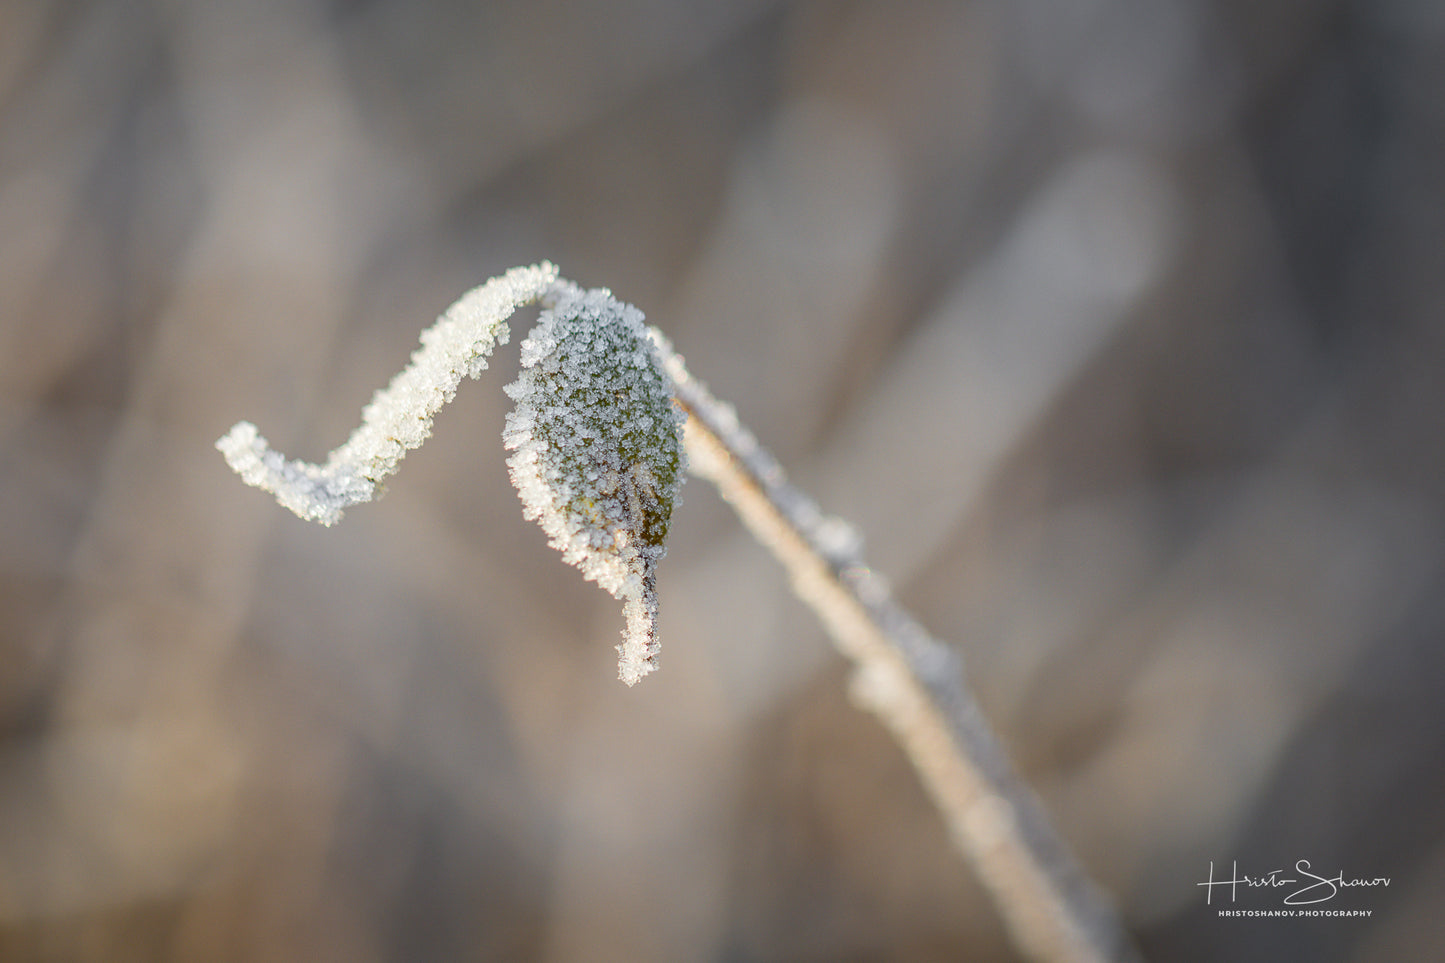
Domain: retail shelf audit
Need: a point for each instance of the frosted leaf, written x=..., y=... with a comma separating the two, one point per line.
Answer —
x=597, y=452
x=596, y=439
x=399, y=417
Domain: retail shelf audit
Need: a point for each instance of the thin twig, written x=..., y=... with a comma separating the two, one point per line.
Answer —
x=914, y=684
x=910, y=680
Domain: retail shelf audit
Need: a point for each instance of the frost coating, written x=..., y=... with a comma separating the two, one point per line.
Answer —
x=399, y=417
x=598, y=450
x=598, y=453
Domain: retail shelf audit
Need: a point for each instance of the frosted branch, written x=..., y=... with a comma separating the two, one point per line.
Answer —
x=597, y=458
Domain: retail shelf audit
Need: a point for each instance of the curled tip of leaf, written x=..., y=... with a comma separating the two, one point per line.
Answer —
x=597, y=452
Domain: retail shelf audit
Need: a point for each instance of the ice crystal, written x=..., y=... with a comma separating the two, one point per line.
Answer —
x=597, y=453
x=597, y=450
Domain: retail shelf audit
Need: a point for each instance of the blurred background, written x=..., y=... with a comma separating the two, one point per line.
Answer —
x=1114, y=325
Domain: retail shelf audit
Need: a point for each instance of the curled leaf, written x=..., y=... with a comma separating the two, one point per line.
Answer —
x=596, y=440
x=597, y=452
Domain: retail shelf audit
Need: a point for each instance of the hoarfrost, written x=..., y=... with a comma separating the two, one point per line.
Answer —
x=596, y=439
x=399, y=417
x=597, y=452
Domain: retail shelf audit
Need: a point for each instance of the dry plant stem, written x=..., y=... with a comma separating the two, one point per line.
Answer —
x=915, y=686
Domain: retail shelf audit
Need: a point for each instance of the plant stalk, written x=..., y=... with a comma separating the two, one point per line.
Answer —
x=915, y=685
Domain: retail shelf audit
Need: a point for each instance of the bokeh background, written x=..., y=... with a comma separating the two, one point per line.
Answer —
x=1115, y=326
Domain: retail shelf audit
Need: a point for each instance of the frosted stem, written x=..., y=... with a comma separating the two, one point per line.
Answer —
x=915, y=685
x=400, y=415
x=597, y=462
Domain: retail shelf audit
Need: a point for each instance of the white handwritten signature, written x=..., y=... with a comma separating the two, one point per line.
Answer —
x=1322, y=889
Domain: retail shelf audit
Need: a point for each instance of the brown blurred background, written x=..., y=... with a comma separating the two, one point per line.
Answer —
x=1115, y=325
